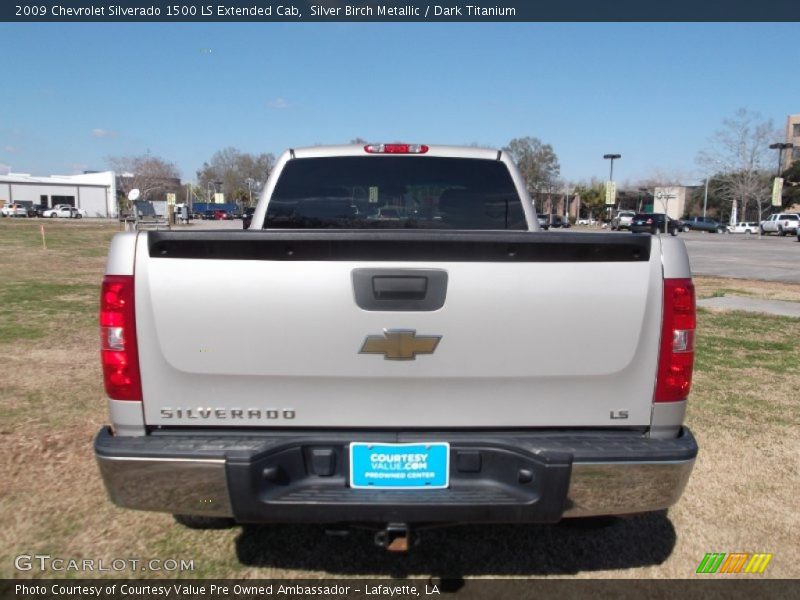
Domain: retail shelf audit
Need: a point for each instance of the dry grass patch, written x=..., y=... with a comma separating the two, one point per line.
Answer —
x=710, y=287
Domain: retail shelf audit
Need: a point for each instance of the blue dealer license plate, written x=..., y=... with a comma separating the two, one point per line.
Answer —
x=399, y=466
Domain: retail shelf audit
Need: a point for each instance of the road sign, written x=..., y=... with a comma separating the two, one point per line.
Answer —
x=611, y=193
x=219, y=198
x=777, y=191
x=170, y=199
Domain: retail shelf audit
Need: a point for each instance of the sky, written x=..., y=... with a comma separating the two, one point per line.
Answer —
x=75, y=94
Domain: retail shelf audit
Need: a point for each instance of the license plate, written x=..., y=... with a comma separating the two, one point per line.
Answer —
x=400, y=466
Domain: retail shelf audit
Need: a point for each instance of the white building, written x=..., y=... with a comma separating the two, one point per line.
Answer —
x=96, y=193
x=671, y=200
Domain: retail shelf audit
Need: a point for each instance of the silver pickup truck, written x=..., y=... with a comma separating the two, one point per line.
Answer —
x=393, y=342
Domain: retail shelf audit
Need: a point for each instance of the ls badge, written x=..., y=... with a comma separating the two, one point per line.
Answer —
x=400, y=344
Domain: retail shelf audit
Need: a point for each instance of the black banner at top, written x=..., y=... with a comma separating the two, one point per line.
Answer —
x=298, y=11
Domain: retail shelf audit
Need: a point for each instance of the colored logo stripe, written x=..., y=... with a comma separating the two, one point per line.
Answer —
x=720, y=562
x=758, y=563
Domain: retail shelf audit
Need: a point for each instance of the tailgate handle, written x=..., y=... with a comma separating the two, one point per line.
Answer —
x=400, y=289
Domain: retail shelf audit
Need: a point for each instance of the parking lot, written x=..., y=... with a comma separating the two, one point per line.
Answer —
x=742, y=256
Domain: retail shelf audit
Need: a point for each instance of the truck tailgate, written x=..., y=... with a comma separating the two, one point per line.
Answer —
x=255, y=329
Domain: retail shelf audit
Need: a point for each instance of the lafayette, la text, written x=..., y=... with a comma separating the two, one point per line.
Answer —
x=191, y=589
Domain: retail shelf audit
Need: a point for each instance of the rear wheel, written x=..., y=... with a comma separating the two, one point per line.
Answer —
x=52, y=215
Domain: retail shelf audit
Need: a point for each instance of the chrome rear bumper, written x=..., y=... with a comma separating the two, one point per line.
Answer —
x=272, y=478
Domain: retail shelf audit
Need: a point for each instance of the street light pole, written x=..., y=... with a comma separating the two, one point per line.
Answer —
x=780, y=147
x=611, y=157
x=705, y=198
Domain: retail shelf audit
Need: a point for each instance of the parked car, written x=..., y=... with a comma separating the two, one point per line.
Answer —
x=559, y=221
x=622, y=220
x=544, y=220
x=589, y=221
x=247, y=217
x=781, y=223
x=64, y=211
x=654, y=223
x=13, y=210
x=703, y=224
x=36, y=210
x=743, y=227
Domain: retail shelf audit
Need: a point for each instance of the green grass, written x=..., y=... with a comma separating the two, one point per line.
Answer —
x=84, y=238
x=29, y=309
x=746, y=368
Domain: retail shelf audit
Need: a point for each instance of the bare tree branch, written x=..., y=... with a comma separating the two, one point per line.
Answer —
x=739, y=151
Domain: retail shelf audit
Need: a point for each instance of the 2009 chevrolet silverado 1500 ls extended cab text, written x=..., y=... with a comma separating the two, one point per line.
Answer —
x=414, y=351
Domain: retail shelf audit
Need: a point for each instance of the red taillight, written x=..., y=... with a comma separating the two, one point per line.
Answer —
x=118, y=349
x=676, y=357
x=396, y=148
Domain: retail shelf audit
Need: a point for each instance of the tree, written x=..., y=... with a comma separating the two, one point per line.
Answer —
x=233, y=168
x=151, y=175
x=741, y=148
x=593, y=198
x=536, y=161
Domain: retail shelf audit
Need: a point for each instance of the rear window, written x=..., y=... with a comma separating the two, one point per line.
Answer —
x=395, y=192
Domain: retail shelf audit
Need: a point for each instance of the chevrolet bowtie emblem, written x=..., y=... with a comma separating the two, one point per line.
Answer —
x=400, y=344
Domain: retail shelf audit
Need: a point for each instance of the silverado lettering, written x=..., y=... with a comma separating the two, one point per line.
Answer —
x=226, y=413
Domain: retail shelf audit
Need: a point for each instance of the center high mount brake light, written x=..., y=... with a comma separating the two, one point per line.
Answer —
x=395, y=148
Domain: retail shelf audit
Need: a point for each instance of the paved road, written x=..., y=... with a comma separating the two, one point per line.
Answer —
x=741, y=256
